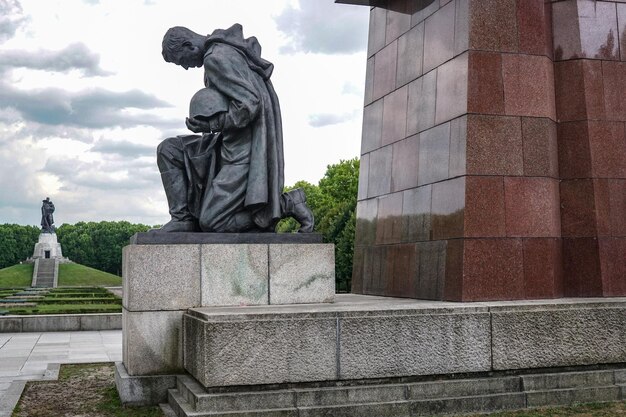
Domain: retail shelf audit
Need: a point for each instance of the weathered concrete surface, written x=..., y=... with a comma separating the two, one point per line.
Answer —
x=252, y=352
x=376, y=337
x=302, y=273
x=558, y=335
x=60, y=323
x=234, y=274
x=142, y=390
x=152, y=342
x=161, y=277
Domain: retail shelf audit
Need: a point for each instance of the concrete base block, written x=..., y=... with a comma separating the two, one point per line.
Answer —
x=558, y=335
x=234, y=275
x=302, y=274
x=142, y=390
x=254, y=352
x=152, y=342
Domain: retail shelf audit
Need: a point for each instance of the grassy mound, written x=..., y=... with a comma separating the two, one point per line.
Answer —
x=70, y=275
x=76, y=275
x=16, y=276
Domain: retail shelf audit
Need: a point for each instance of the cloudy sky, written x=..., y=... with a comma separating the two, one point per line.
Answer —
x=85, y=96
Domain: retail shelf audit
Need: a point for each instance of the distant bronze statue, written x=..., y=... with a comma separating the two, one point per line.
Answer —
x=47, y=220
x=230, y=177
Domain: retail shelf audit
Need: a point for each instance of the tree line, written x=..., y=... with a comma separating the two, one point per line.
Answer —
x=99, y=244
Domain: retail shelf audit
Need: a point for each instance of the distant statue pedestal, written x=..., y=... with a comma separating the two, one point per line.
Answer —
x=47, y=247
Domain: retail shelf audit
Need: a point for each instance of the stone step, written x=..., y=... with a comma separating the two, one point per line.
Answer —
x=197, y=397
x=573, y=395
x=182, y=408
x=468, y=404
x=480, y=395
x=568, y=380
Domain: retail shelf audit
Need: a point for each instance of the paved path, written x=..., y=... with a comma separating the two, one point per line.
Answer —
x=31, y=356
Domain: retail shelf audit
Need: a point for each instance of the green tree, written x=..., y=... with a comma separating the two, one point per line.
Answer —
x=98, y=244
x=16, y=243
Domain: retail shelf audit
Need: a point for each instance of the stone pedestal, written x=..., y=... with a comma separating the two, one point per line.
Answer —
x=163, y=277
x=380, y=339
x=47, y=247
x=493, y=157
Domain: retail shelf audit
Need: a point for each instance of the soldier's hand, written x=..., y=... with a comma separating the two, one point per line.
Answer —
x=197, y=126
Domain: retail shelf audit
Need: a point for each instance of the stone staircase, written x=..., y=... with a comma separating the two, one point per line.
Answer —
x=44, y=276
x=456, y=396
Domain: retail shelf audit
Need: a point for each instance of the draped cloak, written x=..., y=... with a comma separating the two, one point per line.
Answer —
x=240, y=169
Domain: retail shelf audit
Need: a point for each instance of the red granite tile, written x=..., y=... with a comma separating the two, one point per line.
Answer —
x=598, y=29
x=389, y=222
x=410, y=55
x=434, y=154
x=493, y=270
x=421, y=106
x=578, y=218
x=617, y=201
x=569, y=91
x=385, y=70
x=366, y=214
x=452, y=89
x=448, y=203
x=372, y=127
x=377, y=29
x=453, y=284
x=574, y=150
x=548, y=39
x=613, y=266
x=532, y=206
x=431, y=263
x=439, y=37
x=357, y=270
x=621, y=20
x=581, y=268
x=404, y=165
x=602, y=204
x=379, y=181
x=404, y=271
x=364, y=169
x=614, y=78
x=388, y=260
x=594, y=89
x=493, y=25
x=398, y=22
x=607, y=142
x=484, y=207
x=458, y=147
x=416, y=218
x=394, y=116
x=539, y=139
x=494, y=145
x=543, y=268
x=486, y=91
x=461, y=26
x=533, y=27
x=610, y=207
x=369, y=81
x=566, y=34
x=528, y=86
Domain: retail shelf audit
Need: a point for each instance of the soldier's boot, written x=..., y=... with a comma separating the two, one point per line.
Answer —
x=293, y=204
x=175, y=186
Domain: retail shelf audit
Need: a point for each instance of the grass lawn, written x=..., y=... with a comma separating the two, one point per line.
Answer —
x=16, y=276
x=76, y=275
x=82, y=390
